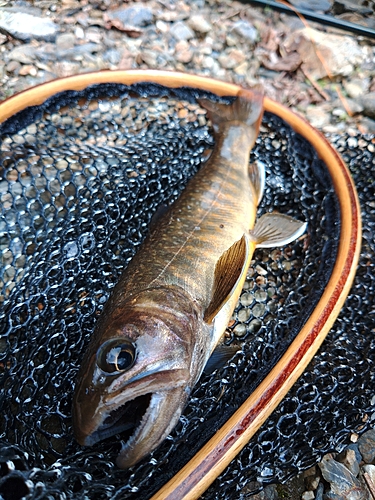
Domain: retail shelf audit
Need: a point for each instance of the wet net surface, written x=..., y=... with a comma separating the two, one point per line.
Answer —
x=80, y=178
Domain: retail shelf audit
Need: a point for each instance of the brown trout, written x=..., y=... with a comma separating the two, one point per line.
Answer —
x=172, y=304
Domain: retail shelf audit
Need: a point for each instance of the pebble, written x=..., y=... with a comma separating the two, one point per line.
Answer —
x=317, y=117
x=366, y=446
x=349, y=458
x=368, y=125
x=181, y=31
x=308, y=495
x=199, y=24
x=24, y=54
x=317, y=5
x=344, y=485
x=183, y=53
x=370, y=470
x=356, y=87
x=245, y=30
x=137, y=16
x=25, y=25
x=341, y=53
x=368, y=103
x=65, y=41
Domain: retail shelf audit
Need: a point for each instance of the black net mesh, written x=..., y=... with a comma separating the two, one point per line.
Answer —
x=80, y=178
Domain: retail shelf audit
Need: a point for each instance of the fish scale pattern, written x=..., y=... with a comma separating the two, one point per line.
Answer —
x=80, y=179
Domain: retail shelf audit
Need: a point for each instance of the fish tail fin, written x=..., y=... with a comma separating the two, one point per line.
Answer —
x=247, y=108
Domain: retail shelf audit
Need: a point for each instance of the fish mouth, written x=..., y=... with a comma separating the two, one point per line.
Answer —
x=126, y=417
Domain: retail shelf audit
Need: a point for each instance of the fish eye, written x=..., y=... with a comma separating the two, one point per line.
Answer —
x=116, y=356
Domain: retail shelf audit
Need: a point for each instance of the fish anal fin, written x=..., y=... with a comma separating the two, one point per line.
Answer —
x=276, y=230
x=229, y=270
x=257, y=175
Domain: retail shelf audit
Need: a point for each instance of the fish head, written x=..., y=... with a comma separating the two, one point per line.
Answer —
x=137, y=374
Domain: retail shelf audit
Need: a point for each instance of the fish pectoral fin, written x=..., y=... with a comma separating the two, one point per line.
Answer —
x=257, y=175
x=219, y=357
x=228, y=272
x=276, y=230
x=158, y=214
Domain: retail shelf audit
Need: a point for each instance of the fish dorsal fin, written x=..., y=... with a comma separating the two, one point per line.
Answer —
x=276, y=230
x=257, y=175
x=228, y=272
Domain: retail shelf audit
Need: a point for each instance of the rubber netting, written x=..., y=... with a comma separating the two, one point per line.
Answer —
x=80, y=178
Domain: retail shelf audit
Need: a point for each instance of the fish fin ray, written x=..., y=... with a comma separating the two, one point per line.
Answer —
x=158, y=214
x=257, y=175
x=219, y=357
x=246, y=108
x=274, y=229
x=228, y=271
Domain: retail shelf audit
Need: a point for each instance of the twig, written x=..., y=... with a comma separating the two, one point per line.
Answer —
x=315, y=85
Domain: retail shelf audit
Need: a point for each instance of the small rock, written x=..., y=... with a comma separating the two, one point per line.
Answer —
x=76, y=51
x=368, y=103
x=369, y=125
x=137, y=16
x=13, y=67
x=25, y=25
x=317, y=5
x=183, y=53
x=354, y=107
x=24, y=54
x=28, y=69
x=370, y=470
x=356, y=87
x=341, y=53
x=308, y=495
x=341, y=6
x=317, y=117
x=349, y=459
x=162, y=26
x=199, y=24
x=344, y=485
x=65, y=41
x=3, y=39
x=366, y=443
x=245, y=30
x=112, y=56
x=181, y=31
x=319, y=492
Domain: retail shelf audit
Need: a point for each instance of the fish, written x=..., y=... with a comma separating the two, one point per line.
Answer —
x=172, y=304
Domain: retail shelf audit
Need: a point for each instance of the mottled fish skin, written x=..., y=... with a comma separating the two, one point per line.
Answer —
x=160, y=305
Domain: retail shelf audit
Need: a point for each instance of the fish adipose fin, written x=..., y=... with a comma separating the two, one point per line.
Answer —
x=247, y=108
x=228, y=272
x=257, y=175
x=276, y=230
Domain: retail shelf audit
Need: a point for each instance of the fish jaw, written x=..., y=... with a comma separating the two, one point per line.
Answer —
x=162, y=415
x=144, y=402
x=153, y=405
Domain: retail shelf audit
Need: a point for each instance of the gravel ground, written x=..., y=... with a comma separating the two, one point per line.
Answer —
x=325, y=74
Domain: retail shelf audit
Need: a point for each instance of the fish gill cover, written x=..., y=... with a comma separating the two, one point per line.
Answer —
x=80, y=178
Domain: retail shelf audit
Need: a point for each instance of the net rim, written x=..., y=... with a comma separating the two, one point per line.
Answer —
x=212, y=459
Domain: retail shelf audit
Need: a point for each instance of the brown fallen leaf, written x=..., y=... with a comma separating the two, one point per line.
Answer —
x=290, y=62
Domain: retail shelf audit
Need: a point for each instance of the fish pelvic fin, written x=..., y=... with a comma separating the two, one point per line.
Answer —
x=247, y=108
x=257, y=176
x=229, y=274
x=276, y=230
